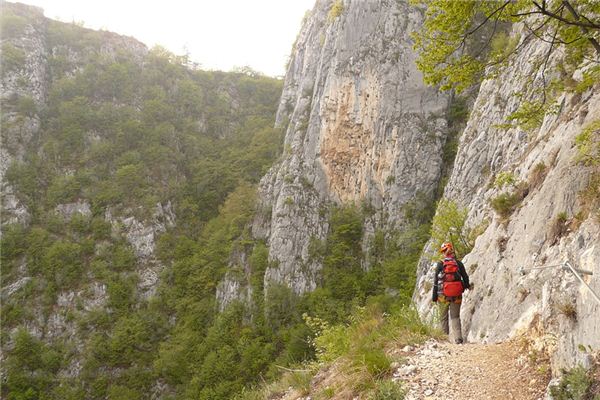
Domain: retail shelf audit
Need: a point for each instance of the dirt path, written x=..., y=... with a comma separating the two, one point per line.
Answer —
x=444, y=371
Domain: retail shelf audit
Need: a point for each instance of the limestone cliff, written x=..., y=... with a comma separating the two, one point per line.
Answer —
x=549, y=304
x=362, y=127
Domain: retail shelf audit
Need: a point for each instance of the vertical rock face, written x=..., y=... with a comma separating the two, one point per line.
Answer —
x=362, y=127
x=551, y=304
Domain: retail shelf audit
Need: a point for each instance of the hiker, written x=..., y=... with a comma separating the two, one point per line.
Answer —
x=449, y=283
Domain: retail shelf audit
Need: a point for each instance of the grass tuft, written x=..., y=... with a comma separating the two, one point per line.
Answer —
x=558, y=228
x=568, y=309
x=506, y=203
x=387, y=390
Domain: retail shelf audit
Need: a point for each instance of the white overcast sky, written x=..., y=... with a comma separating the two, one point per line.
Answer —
x=219, y=34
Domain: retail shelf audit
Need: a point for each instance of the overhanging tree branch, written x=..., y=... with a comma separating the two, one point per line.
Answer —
x=592, y=40
x=544, y=11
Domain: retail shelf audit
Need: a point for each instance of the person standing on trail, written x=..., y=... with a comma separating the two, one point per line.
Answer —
x=449, y=283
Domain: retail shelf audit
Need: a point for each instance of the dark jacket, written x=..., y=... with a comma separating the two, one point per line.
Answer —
x=439, y=268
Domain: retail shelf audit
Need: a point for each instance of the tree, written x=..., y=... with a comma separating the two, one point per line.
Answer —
x=463, y=42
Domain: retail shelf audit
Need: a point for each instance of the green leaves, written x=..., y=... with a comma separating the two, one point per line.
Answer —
x=463, y=42
x=449, y=225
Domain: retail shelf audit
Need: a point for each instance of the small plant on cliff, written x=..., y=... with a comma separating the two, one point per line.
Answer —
x=336, y=10
x=568, y=309
x=588, y=153
x=558, y=228
x=537, y=175
x=506, y=203
x=588, y=144
x=504, y=178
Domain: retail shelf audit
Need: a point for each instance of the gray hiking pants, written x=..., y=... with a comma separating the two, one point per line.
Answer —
x=451, y=310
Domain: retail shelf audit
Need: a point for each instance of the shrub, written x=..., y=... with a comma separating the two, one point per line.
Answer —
x=30, y=367
x=26, y=106
x=13, y=244
x=118, y=392
x=63, y=189
x=506, y=203
x=316, y=249
x=504, y=178
x=574, y=385
x=336, y=10
x=63, y=264
x=590, y=78
x=101, y=229
x=121, y=294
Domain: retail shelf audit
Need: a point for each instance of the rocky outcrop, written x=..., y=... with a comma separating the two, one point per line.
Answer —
x=142, y=235
x=548, y=303
x=361, y=128
x=70, y=209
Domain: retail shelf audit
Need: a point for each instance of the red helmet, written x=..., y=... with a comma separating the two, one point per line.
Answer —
x=446, y=248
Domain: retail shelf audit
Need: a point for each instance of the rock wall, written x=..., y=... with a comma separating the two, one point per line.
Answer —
x=362, y=127
x=551, y=305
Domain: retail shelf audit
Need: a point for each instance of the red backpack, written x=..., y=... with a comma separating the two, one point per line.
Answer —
x=452, y=285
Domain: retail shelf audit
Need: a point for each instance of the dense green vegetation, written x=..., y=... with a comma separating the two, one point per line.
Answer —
x=577, y=384
x=124, y=132
x=354, y=353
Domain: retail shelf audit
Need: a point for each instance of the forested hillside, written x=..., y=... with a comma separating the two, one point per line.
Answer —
x=134, y=174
